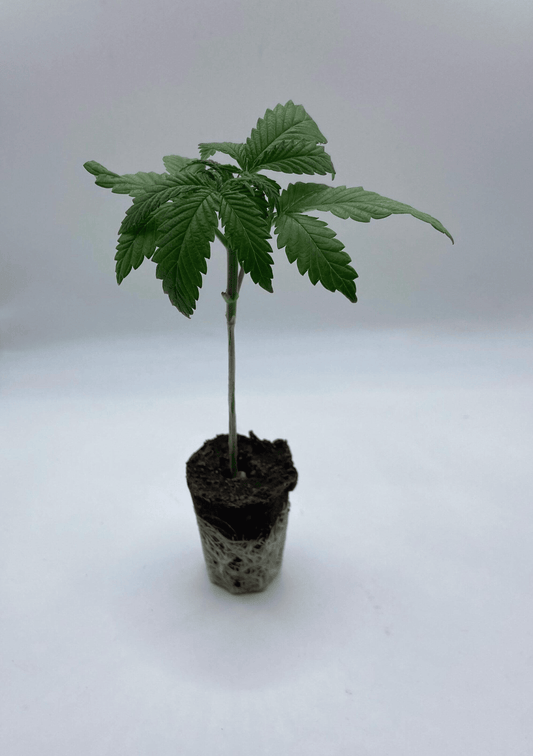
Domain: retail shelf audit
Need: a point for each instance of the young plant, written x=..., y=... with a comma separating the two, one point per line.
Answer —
x=175, y=216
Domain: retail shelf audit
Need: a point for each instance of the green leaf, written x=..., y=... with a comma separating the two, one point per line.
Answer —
x=175, y=163
x=97, y=169
x=264, y=183
x=133, y=247
x=133, y=184
x=184, y=232
x=256, y=192
x=217, y=173
x=233, y=149
x=247, y=232
x=312, y=244
x=258, y=199
x=270, y=188
x=156, y=195
x=297, y=157
x=286, y=123
x=354, y=203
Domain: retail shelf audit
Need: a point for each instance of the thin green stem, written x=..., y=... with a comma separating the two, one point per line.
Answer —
x=222, y=238
x=226, y=244
x=230, y=296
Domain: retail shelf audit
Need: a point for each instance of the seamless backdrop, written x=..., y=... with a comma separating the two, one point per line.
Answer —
x=400, y=624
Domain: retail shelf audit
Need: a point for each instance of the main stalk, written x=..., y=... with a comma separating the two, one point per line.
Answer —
x=230, y=297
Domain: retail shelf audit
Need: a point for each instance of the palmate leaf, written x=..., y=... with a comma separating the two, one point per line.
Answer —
x=185, y=230
x=247, y=231
x=354, y=203
x=286, y=123
x=173, y=217
x=312, y=244
x=134, y=246
x=158, y=194
x=150, y=190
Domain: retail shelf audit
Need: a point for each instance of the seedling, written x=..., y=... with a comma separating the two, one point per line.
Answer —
x=175, y=217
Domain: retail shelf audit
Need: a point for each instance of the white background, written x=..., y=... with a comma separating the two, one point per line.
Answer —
x=401, y=622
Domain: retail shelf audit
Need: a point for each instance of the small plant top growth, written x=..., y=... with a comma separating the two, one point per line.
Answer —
x=175, y=217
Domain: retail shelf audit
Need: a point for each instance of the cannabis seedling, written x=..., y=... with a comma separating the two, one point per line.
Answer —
x=175, y=216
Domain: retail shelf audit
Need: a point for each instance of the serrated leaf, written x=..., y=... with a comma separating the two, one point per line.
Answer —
x=354, y=203
x=185, y=230
x=258, y=199
x=252, y=190
x=175, y=163
x=173, y=218
x=136, y=184
x=217, y=173
x=313, y=245
x=297, y=157
x=266, y=185
x=233, y=149
x=287, y=122
x=156, y=195
x=263, y=182
x=132, y=248
x=247, y=232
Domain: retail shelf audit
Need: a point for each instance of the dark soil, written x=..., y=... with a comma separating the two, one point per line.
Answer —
x=241, y=508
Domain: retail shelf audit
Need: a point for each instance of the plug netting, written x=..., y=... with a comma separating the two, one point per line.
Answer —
x=243, y=566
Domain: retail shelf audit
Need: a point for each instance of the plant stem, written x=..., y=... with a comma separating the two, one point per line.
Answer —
x=230, y=297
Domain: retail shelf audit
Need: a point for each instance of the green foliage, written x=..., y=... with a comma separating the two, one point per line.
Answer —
x=236, y=151
x=287, y=140
x=132, y=248
x=354, y=203
x=183, y=239
x=247, y=229
x=174, y=215
x=312, y=244
x=133, y=184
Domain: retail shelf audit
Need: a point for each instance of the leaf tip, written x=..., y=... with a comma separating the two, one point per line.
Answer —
x=91, y=167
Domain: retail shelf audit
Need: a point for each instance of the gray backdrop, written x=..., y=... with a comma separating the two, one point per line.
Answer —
x=400, y=624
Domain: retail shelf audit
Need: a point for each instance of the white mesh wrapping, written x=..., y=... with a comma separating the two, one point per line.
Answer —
x=243, y=566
